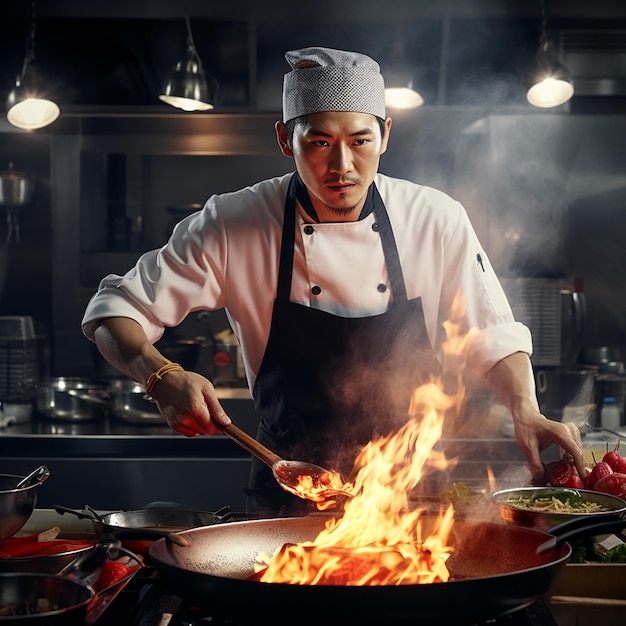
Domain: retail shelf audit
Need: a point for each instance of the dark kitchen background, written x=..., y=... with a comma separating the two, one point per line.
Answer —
x=545, y=188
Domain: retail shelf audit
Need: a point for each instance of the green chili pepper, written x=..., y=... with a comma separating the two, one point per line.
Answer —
x=571, y=496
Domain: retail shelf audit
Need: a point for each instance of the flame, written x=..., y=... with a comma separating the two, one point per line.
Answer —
x=321, y=489
x=379, y=540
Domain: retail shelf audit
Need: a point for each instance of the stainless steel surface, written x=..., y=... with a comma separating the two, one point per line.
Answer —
x=129, y=402
x=55, y=399
x=599, y=433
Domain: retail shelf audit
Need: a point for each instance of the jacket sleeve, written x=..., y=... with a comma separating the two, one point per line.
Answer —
x=165, y=285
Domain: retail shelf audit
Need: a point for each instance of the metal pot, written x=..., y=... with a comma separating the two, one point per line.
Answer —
x=494, y=566
x=16, y=188
x=567, y=395
x=129, y=402
x=71, y=399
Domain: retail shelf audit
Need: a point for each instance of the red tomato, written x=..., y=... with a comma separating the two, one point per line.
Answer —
x=557, y=473
x=616, y=461
x=614, y=484
x=111, y=572
x=598, y=471
x=575, y=482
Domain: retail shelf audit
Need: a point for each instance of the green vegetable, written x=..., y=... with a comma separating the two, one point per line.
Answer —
x=614, y=555
x=579, y=554
x=566, y=496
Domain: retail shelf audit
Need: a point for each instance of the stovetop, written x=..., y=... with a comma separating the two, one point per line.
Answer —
x=146, y=601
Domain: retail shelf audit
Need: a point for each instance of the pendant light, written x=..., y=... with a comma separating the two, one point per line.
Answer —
x=400, y=92
x=403, y=96
x=187, y=86
x=27, y=105
x=552, y=83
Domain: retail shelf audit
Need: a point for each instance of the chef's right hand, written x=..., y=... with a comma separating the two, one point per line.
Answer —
x=188, y=403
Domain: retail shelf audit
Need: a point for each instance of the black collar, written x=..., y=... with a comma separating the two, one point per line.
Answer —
x=304, y=199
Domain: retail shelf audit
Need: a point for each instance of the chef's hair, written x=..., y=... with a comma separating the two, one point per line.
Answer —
x=291, y=124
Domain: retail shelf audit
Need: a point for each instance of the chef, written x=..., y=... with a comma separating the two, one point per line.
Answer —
x=337, y=281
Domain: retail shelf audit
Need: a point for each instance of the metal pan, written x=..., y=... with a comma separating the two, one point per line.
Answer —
x=70, y=593
x=143, y=524
x=71, y=399
x=494, y=571
x=545, y=520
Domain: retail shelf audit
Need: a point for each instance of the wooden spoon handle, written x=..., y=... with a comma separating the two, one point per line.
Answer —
x=250, y=444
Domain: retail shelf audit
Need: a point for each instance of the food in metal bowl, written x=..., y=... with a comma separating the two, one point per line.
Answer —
x=545, y=507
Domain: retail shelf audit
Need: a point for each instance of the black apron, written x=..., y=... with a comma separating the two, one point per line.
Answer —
x=329, y=384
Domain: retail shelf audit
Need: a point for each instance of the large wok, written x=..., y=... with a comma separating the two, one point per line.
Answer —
x=494, y=566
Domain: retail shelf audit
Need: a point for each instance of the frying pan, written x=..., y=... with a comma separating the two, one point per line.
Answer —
x=494, y=569
x=140, y=523
x=143, y=524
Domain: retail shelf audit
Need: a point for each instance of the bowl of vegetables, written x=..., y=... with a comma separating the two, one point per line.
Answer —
x=544, y=507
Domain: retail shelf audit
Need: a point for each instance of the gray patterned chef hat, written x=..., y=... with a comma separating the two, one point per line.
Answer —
x=323, y=79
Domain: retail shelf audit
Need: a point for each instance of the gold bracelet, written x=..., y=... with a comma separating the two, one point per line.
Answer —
x=155, y=377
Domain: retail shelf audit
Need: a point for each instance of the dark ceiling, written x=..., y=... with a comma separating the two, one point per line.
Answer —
x=466, y=52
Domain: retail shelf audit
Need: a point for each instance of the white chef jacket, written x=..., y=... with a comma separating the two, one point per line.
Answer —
x=227, y=255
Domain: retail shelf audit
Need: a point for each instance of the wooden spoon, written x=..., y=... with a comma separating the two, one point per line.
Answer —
x=290, y=474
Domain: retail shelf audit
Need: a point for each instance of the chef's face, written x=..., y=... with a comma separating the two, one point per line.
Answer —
x=337, y=155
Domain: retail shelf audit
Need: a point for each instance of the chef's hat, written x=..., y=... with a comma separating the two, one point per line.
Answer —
x=323, y=79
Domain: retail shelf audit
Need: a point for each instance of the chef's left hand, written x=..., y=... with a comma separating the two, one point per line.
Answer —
x=513, y=382
x=534, y=433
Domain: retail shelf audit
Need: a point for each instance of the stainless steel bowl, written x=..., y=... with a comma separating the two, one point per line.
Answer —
x=16, y=505
x=544, y=520
x=71, y=399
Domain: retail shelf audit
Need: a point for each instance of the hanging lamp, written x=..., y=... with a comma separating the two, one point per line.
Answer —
x=551, y=82
x=28, y=106
x=187, y=87
x=400, y=92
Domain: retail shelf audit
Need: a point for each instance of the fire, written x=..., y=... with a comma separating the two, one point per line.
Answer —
x=379, y=540
x=322, y=489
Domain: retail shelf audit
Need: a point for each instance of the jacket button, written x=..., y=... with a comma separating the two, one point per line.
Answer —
x=309, y=230
x=316, y=290
x=382, y=287
x=375, y=227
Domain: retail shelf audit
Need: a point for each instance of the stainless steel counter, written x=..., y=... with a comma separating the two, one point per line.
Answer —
x=110, y=464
